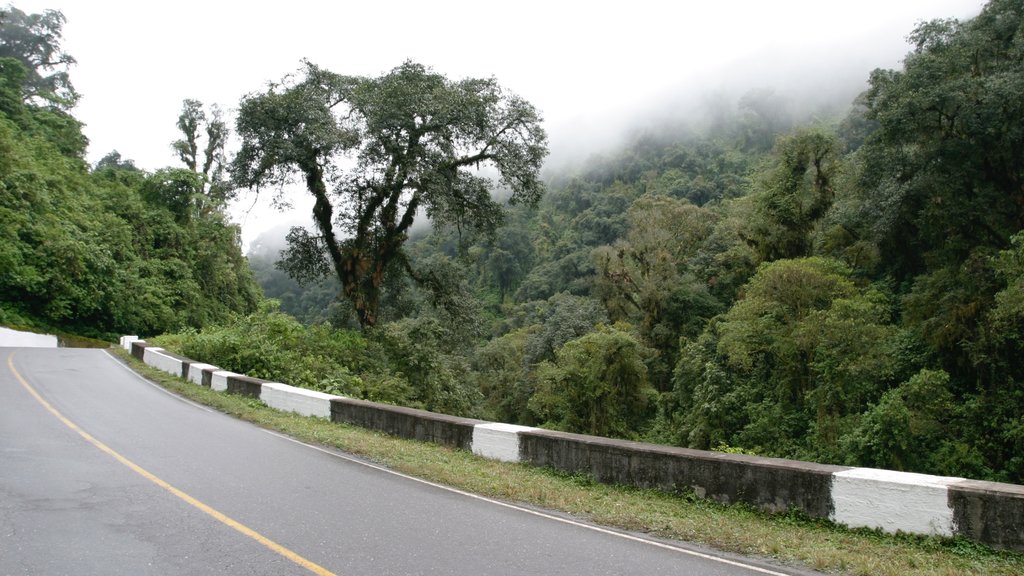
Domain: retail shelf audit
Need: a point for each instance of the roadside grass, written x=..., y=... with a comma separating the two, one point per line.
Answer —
x=791, y=540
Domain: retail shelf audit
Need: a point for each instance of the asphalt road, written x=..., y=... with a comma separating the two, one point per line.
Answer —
x=106, y=473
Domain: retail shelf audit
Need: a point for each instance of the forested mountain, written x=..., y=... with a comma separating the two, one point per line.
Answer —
x=845, y=290
x=106, y=250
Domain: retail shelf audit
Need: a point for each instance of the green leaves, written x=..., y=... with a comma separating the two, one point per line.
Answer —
x=375, y=151
x=209, y=165
x=34, y=40
x=597, y=385
x=647, y=276
x=946, y=156
x=805, y=348
x=112, y=251
x=794, y=194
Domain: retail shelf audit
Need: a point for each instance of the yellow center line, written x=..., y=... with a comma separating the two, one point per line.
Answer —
x=220, y=517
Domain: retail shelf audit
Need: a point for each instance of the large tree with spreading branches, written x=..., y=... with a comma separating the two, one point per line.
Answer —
x=375, y=153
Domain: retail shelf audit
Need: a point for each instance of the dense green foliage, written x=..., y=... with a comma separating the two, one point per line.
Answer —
x=845, y=290
x=403, y=363
x=34, y=41
x=107, y=251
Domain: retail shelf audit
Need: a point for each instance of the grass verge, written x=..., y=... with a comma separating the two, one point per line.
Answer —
x=790, y=539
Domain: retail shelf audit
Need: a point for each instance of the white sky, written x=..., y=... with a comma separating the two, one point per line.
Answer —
x=583, y=64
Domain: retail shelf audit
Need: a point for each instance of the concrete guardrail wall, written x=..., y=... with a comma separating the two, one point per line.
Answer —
x=987, y=512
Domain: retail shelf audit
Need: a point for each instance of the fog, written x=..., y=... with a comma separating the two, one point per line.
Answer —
x=597, y=73
x=814, y=81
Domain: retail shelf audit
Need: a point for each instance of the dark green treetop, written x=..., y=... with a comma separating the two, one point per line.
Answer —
x=34, y=40
x=943, y=174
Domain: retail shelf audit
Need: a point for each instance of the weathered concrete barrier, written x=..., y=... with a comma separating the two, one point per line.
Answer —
x=201, y=374
x=986, y=512
x=243, y=385
x=772, y=484
x=406, y=422
x=166, y=361
x=989, y=512
x=498, y=441
x=299, y=400
x=219, y=380
x=137, y=348
x=893, y=501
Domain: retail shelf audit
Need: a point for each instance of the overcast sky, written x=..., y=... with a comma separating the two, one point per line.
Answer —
x=590, y=67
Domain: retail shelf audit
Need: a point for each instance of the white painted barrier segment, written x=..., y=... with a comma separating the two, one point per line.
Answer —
x=893, y=501
x=9, y=337
x=156, y=358
x=126, y=342
x=195, y=372
x=219, y=380
x=498, y=441
x=299, y=400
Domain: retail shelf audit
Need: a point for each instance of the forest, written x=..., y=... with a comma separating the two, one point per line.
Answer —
x=107, y=249
x=843, y=288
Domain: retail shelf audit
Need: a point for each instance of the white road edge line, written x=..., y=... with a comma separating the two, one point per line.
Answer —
x=529, y=511
x=159, y=387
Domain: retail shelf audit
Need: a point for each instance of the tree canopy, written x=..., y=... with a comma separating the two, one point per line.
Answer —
x=34, y=40
x=942, y=171
x=374, y=152
x=211, y=132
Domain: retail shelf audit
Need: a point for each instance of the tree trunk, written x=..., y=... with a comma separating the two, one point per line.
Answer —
x=352, y=269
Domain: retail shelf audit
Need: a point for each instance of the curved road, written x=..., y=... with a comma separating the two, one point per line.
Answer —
x=102, y=472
